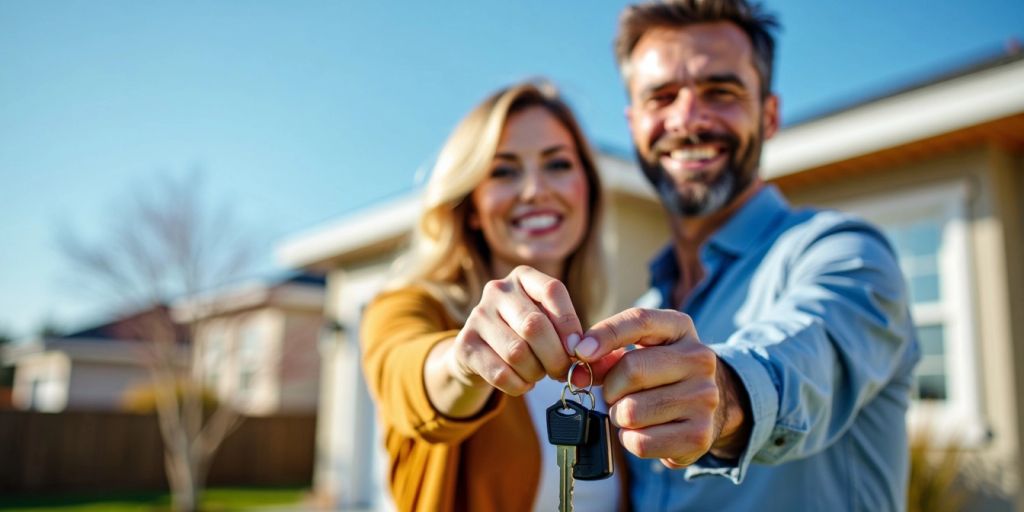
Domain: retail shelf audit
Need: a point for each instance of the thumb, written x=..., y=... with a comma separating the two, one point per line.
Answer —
x=635, y=326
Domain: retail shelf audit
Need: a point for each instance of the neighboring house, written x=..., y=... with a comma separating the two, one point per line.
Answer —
x=939, y=166
x=88, y=369
x=257, y=346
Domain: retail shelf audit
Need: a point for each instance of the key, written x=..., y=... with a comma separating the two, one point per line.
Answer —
x=594, y=458
x=568, y=426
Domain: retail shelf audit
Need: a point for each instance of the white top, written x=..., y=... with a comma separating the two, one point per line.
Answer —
x=594, y=495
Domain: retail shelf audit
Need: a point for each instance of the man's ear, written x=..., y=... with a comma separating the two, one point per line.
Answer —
x=772, y=116
x=627, y=112
x=473, y=220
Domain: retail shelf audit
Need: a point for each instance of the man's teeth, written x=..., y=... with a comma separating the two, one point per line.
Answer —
x=538, y=222
x=697, y=153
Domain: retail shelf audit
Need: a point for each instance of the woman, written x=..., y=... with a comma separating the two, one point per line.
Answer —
x=460, y=351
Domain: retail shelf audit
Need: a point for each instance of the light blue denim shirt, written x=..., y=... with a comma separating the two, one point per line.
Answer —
x=811, y=311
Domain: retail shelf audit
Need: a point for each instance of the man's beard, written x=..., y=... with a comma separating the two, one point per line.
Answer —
x=737, y=174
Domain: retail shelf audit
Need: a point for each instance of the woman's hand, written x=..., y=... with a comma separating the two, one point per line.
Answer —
x=523, y=329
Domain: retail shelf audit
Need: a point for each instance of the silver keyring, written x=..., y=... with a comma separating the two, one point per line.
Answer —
x=578, y=394
x=568, y=380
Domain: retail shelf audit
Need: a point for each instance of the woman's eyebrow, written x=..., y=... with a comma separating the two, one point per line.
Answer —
x=554, y=149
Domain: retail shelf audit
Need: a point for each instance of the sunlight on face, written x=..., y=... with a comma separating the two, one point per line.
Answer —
x=533, y=209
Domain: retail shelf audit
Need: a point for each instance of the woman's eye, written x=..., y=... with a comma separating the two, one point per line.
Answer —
x=503, y=172
x=559, y=164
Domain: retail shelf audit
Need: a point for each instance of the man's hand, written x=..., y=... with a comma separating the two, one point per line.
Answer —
x=672, y=398
x=518, y=333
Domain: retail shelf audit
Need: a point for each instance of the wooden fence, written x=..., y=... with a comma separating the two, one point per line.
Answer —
x=113, y=451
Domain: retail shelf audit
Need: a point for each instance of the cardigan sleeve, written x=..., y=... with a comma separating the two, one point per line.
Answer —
x=399, y=329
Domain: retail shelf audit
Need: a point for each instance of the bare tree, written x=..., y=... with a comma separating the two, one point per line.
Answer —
x=166, y=244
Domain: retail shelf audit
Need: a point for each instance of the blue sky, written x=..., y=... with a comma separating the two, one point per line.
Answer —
x=300, y=112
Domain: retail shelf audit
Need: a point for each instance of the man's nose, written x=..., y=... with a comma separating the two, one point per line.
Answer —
x=686, y=115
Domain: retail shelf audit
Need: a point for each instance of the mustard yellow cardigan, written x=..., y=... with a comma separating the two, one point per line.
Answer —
x=490, y=462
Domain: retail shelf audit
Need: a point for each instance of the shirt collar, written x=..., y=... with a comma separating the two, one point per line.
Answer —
x=739, y=233
x=751, y=223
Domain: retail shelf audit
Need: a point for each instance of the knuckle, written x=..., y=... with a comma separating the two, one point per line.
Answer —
x=703, y=439
x=684, y=319
x=533, y=324
x=632, y=366
x=707, y=357
x=644, y=318
x=496, y=286
x=626, y=412
x=504, y=379
x=553, y=288
x=518, y=352
x=643, y=446
x=708, y=397
x=566, y=319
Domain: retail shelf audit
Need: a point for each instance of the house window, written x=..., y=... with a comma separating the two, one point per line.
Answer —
x=249, y=353
x=929, y=230
x=918, y=242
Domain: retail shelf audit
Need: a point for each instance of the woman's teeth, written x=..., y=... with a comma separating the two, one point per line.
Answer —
x=535, y=222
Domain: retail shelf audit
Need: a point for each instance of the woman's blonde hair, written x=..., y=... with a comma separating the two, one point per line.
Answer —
x=451, y=260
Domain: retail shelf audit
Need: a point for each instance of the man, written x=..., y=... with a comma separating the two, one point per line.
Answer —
x=788, y=389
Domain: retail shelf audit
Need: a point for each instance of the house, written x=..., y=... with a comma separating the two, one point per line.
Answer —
x=89, y=369
x=939, y=166
x=256, y=345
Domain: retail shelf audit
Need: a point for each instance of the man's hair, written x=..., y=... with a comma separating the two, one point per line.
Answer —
x=751, y=18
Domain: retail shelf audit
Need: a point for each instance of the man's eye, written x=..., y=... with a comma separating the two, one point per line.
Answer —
x=660, y=99
x=720, y=93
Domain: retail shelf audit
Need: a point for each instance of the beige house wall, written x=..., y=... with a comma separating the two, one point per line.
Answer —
x=298, y=373
x=285, y=365
x=635, y=231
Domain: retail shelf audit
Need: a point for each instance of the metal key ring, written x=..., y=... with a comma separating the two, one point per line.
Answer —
x=577, y=394
x=568, y=380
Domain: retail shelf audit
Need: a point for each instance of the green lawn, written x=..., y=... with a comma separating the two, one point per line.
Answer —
x=214, y=500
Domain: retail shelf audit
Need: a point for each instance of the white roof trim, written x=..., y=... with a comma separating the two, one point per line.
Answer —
x=929, y=111
x=380, y=222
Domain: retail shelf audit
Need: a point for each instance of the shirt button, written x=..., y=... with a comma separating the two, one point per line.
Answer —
x=657, y=467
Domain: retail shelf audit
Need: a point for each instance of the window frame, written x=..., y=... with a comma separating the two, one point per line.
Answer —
x=960, y=416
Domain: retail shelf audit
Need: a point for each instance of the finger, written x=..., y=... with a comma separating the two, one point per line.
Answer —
x=530, y=324
x=553, y=298
x=635, y=326
x=682, y=443
x=681, y=401
x=513, y=350
x=651, y=367
x=479, y=358
x=601, y=367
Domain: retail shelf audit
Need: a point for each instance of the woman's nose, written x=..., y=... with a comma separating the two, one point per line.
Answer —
x=534, y=184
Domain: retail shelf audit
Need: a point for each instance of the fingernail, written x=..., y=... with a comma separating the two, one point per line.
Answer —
x=587, y=347
x=572, y=340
